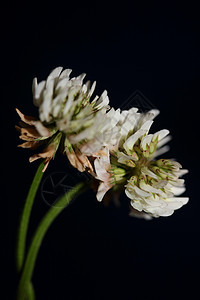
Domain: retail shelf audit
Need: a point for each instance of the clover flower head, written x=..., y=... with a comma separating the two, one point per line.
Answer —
x=60, y=97
x=152, y=185
x=65, y=111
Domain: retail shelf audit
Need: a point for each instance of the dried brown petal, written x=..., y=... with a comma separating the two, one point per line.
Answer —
x=74, y=160
x=84, y=160
x=30, y=144
x=47, y=153
x=26, y=119
x=30, y=132
x=24, y=137
x=32, y=121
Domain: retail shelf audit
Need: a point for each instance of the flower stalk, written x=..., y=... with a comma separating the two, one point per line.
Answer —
x=38, y=238
x=24, y=221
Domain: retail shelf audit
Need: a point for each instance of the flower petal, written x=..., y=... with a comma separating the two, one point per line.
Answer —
x=160, y=134
x=102, y=189
x=26, y=119
x=42, y=130
x=128, y=145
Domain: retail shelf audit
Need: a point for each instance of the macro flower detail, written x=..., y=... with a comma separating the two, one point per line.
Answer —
x=114, y=146
x=152, y=185
x=67, y=118
x=35, y=134
x=154, y=190
x=102, y=168
x=102, y=133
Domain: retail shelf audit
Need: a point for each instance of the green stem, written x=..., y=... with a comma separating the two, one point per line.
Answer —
x=39, y=235
x=23, y=226
x=30, y=292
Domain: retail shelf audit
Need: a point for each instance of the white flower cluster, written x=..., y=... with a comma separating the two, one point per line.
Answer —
x=114, y=146
x=67, y=103
x=152, y=185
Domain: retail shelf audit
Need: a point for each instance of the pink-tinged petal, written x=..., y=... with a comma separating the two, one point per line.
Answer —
x=102, y=189
x=102, y=165
x=90, y=148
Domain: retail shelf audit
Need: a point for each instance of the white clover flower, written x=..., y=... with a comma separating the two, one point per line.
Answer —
x=152, y=185
x=154, y=188
x=61, y=99
x=67, y=115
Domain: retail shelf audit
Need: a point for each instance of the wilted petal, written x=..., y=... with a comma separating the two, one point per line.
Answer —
x=47, y=153
x=84, y=160
x=26, y=119
x=75, y=162
x=30, y=144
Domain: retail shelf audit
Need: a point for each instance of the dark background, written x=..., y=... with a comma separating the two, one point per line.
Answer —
x=92, y=251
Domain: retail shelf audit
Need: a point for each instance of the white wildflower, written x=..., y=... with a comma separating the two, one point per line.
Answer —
x=152, y=185
x=66, y=111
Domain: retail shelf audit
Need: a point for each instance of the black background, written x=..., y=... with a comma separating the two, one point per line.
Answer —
x=92, y=251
